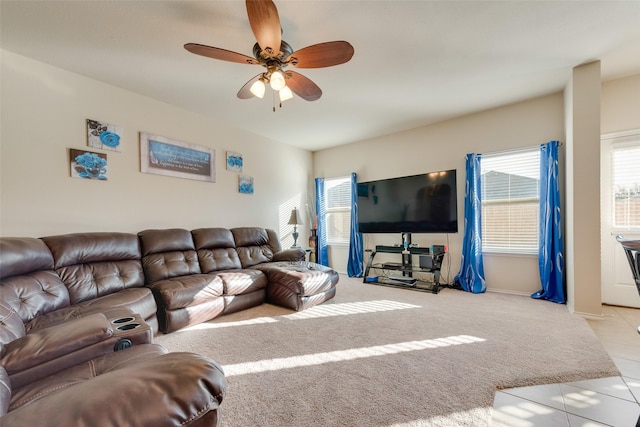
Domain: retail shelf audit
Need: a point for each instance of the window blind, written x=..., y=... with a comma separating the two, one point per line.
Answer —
x=626, y=185
x=338, y=210
x=510, y=201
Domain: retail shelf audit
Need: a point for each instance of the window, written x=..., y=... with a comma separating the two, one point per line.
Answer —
x=626, y=185
x=337, y=194
x=510, y=201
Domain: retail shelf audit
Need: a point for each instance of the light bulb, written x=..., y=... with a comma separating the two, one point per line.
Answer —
x=257, y=88
x=285, y=94
x=277, y=80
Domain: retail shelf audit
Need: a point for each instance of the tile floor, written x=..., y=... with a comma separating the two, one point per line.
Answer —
x=602, y=402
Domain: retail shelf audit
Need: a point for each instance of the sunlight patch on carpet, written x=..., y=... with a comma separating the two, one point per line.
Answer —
x=453, y=419
x=325, y=310
x=346, y=308
x=256, y=321
x=344, y=355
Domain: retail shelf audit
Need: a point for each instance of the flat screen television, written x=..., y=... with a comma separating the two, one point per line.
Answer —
x=425, y=203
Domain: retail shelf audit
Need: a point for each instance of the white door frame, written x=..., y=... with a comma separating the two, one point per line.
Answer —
x=618, y=287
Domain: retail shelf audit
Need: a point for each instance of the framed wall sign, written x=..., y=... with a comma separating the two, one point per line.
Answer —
x=163, y=156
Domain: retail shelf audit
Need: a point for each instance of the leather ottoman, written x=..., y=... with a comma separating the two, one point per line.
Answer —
x=299, y=285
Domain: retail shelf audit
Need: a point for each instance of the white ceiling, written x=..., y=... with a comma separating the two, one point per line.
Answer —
x=415, y=62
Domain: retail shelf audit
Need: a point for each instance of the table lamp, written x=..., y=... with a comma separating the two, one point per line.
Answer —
x=294, y=220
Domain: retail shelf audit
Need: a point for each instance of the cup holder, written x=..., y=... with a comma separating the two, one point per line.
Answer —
x=123, y=320
x=128, y=326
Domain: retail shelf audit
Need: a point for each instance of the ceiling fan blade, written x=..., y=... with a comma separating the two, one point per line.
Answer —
x=322, y=55
x=302, y=86
x=265, y=24
x=245, y=91
x=217, y=53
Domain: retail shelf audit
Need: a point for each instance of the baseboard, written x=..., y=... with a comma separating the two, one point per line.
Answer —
x=503, y=291
x=590, y=316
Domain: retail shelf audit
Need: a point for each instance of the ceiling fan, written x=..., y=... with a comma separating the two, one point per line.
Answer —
x=275, y=55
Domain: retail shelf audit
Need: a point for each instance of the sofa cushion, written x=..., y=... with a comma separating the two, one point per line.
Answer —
x=185, y=291
x=21, y=255
x=243, y=281
x=252, y=244
x=11, y=326
x=216, y=249
x=168, y=253
x=28, y=282
x=87, y=248
x=170, y=264
x=89, y=281
x=136, y=300
x=92, y=265
x=35, y=294
x=169, y=240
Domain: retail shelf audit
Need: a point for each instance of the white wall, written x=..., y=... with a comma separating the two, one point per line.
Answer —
x=444, y=146
x=620, y=105
x=43, y=115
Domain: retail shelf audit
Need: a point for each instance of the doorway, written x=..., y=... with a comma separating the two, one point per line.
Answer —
x=620, y=214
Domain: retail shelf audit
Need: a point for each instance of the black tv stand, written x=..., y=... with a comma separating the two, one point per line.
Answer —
x=401, y=274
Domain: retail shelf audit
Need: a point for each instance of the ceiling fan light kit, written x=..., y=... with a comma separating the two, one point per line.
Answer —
x=276, y=81
x=285, y=94
x=265, y=24
x=258, y=88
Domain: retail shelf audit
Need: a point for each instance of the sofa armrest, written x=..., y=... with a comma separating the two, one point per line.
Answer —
x=5, y=391
x=173, y=389
x=50, y=350
x=293, y=254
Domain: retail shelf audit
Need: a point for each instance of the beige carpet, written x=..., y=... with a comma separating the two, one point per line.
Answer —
x=381, y=356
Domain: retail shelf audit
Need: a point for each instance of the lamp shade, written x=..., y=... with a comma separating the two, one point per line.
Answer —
x=285, y=94
x=277, y=80
x=257, y=88
x=295, y=217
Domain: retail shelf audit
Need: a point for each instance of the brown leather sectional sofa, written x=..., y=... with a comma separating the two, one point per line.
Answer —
x=78, y=313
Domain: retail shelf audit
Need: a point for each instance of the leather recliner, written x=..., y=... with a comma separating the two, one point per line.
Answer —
x=138, y=386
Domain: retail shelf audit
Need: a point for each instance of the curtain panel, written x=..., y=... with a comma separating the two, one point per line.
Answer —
x=323, y=253
x=471, y=277
x=551, y=245
x=356, y=252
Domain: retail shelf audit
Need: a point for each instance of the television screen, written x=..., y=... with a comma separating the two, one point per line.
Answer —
x=426, y=203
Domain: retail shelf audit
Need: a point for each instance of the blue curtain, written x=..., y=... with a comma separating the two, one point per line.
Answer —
x=323, y=254
x=356, y=253
x=550, y=248
x=471, y=275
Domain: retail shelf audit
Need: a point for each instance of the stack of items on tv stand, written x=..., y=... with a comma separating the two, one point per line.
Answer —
x=405, y=273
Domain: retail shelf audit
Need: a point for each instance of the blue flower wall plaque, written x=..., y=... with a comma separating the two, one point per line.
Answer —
x=88, y=165
x=103, y=135
x=245, y=184
x=234, y=162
